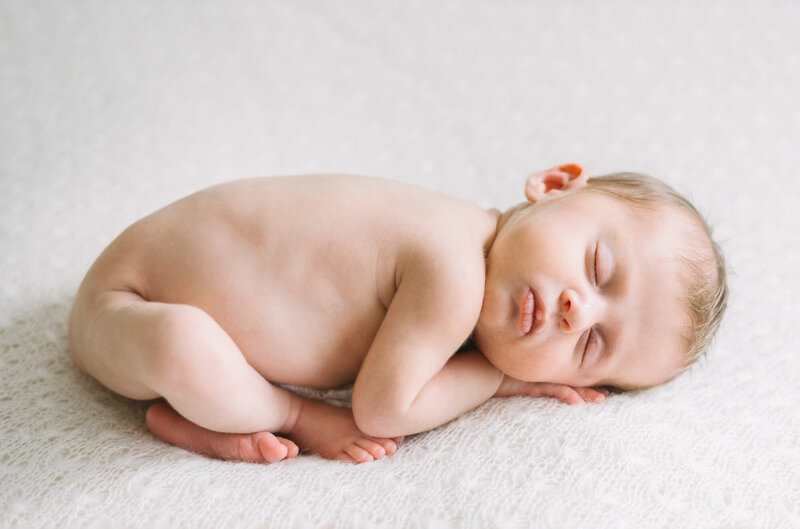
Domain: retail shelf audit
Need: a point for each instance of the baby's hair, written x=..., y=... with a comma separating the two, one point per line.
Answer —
x=703, y=271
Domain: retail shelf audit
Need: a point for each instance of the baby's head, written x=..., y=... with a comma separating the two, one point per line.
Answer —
x=609, y=281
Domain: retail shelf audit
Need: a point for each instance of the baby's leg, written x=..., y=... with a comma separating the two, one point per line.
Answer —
x=320, y=429
x=170, y=426
x=144, y=350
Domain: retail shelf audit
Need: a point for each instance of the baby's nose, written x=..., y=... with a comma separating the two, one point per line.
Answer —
x=576, y=312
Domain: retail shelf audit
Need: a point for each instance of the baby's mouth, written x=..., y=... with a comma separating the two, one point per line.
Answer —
x=531, y=313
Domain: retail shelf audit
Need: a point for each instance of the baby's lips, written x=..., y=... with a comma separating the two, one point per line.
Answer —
x=571, y=168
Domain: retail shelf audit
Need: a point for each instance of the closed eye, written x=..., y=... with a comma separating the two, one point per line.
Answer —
x=592, y=346
x=585, y=337
x=603, y=265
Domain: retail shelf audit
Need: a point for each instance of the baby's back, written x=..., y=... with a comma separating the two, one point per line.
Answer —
x=299, y=271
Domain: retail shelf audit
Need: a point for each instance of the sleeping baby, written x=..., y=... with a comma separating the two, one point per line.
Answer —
x=427, y=304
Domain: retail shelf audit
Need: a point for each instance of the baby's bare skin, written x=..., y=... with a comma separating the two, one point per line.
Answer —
x=326, y=280
x=299, y=272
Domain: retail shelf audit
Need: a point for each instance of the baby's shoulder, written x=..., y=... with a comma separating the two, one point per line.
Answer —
x=444, y=263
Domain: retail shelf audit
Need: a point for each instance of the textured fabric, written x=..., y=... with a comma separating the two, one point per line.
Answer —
x=110, y=110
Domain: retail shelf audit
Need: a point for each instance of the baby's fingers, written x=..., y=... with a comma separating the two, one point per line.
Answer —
x=596, y=395
x=561, y=392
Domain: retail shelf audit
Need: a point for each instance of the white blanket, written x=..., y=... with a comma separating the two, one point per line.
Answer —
x=109, y=111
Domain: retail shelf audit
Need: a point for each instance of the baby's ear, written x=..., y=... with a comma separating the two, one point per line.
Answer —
x=554, y=181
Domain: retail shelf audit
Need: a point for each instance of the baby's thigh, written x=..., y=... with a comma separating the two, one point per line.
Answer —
x=108, y=334
x=144, y=350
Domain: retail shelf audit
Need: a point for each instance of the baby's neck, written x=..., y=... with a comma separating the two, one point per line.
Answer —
x=498, y=219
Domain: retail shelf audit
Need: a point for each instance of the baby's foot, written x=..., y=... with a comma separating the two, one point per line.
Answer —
x=170, y=426
x=331, y=432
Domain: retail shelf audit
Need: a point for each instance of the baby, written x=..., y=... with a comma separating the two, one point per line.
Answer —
x=427, y=303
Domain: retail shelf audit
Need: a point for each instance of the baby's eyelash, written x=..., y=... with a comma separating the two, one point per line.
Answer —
x=594, y=337
x=586, y=344
x=594, y=262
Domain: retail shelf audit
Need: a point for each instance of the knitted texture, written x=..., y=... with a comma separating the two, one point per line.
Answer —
x=111, y=110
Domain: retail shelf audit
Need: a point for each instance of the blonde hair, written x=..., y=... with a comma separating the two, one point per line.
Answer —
x=703, y=265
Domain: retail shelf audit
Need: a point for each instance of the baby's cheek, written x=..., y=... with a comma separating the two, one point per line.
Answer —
x=553, y=362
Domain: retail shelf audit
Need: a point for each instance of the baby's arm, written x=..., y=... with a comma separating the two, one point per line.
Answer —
x=409, y=381
x=463, y=383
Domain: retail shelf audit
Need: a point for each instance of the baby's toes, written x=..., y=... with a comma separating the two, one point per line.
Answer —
x=372, y=446
x=357, y=454
x=291, y=448
x=270, y=447
x=389, y=445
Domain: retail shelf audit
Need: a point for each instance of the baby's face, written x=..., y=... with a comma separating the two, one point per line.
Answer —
x=580, y=290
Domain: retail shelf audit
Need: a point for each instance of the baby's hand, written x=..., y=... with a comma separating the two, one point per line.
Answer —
x=511, y=387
